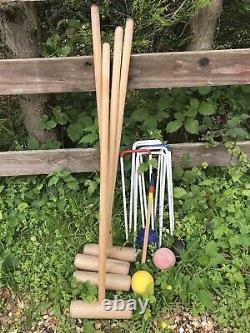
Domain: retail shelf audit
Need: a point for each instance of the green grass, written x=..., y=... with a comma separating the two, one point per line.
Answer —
x=42, y=227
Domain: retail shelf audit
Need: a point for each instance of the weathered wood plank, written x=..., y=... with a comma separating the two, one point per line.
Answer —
x=217, y=156
x=37, y=162
x=7, y=1
x=156, y=70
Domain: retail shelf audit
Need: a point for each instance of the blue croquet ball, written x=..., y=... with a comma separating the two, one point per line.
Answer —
x=152, y=238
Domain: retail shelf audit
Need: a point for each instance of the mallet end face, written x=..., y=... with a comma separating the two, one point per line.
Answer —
x=101, y=310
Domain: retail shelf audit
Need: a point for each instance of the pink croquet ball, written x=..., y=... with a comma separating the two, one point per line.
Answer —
x=164, y=258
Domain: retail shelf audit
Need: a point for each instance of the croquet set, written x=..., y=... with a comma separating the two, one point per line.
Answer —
x=144, y=201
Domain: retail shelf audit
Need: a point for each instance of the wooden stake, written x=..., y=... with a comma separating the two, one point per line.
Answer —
x=147, y=226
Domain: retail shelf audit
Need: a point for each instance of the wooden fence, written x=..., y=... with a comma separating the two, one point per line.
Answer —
x=35, y=162
x=157, y=70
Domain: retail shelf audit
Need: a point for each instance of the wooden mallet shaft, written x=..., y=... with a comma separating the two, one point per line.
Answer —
x=116, y=72
x=97, y=54
x=127, y=46
x=104, y=170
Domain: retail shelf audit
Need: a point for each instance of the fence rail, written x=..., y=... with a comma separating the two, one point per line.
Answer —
x=156, y=70
x=7, y=1
x=35, y=162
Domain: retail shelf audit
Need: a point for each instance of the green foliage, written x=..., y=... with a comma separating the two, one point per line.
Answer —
x=45, y=221
x=65, y=177
x=70, y=33
x=229, y=34
x=212, y=214
x=195, y=114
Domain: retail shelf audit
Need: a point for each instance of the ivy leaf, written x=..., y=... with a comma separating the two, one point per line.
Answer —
x=179, y=116
x=219, y=231
x=162, y=115
x=192, y=126
x=32, y=143
x=57, y=310
x=10, y=263
x=239, y=133
x=46, y=124
x=186, y=160
x=86, y=121
x=61, y=204
x=191, y=111
x=150, y=123
x=75, y=131
x=53, y=181
x=203, y=261
x=43, y=121
x=207, y=109
x=179, y=192
x=194, y=102
x=73, y=185
x=237, y=277
x=246, y=193
x=89, y=138
x=54, y=144
x=216, y=260
x=92, y=186
x=60, y=117
x=163, y=102
x=246, y=88
x=65, y=51
x=88, y=327
x=206, y=298
x=74, y=23
x=153, y=162
x=142, y=168
x=211, y=249
x=140, y=115
x=204, y=90
x=50, y=124
x=173, y=126
x=234, y=122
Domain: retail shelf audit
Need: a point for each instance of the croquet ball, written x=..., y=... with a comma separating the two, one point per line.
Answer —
x=164, y=258
x=141, y=282
x=152, y=237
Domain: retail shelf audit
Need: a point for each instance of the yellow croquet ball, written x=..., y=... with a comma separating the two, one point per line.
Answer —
x=141, y=282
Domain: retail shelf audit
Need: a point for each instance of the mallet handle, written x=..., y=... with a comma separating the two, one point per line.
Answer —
x=104, y=170
x=127, y=46
x=97, y=53
x=118, y=40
